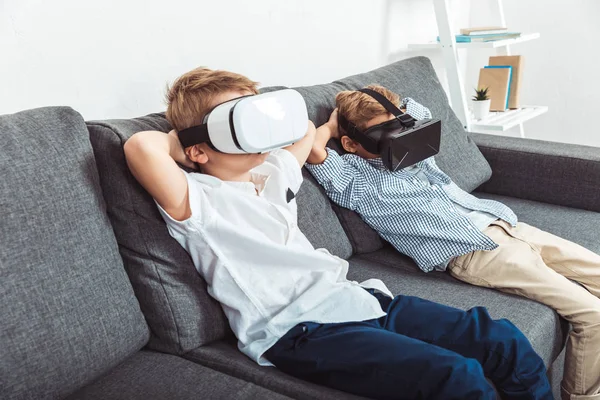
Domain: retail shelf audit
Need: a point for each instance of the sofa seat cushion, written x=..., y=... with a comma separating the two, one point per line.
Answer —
x=579, y=226
x=224, y=356
x=542, y=326
x=149, y=375
x=415, y=77
x=68, y=312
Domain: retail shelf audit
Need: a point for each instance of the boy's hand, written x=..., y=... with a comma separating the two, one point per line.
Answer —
x=328, y=130
x=178, y=152
x=332, y=124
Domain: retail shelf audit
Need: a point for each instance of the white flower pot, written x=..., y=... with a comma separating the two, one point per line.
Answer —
x=481, y=108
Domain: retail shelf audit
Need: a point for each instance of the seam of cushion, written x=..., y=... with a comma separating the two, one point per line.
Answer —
x=347, y=231
x=569, y=158
x=156, y=270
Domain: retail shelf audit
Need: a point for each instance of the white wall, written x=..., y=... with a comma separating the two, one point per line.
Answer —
x=113, y=59
x=110, y=58
x=560, y=68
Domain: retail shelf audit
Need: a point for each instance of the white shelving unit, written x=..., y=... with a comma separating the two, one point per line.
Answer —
x=496, y=121
x=479, y=45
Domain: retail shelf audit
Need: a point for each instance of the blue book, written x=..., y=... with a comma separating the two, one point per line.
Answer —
x=509, y=78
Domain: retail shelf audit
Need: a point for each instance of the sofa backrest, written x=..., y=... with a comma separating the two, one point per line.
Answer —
x=415, y=77
x=172, y=295
x=68, y=312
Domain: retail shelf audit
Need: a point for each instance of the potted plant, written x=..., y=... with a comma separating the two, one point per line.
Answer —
x=481, y=103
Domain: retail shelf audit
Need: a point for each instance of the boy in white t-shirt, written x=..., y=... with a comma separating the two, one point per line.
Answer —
x=290, y=305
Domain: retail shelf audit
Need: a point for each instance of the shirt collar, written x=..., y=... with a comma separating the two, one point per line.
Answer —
x=257, y=183
x=376, y=162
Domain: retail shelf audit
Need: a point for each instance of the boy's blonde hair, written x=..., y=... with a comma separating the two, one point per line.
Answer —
x=191, y=96
x=359, y=108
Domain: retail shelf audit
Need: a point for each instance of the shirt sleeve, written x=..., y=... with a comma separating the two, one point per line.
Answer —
x=289, y=167
x=200, y=213
x=342, y=182
x=415, y=110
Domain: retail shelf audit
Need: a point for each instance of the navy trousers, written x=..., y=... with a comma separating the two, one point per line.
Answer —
x=419, y=350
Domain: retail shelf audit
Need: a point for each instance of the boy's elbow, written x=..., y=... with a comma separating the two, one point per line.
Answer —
x=131, y=146
x=134, y=147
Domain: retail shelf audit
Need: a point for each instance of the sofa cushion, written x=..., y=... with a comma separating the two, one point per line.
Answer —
x=68, y=311
x=317, y=220
x=415, y=77
x=543, y=327
x=579, y=226
x=148, y=375
x=173, y=296
x=224, y=356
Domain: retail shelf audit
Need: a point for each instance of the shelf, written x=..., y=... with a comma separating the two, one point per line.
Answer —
x=479, y=45
x=502, y=121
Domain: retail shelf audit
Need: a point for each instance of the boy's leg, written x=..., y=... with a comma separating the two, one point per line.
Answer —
x=503, y=351
x=565, y=257
x=517, y=266
x=364, y=359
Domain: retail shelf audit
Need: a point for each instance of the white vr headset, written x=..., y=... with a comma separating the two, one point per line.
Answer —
x=252, y=124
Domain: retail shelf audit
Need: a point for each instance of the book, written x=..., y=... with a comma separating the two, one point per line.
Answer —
x=485, y=38
x=497, y=80
x=490, y=32
x=482, y=29
x=516, y=62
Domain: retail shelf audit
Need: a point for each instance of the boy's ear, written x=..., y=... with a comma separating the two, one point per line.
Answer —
x=197, y=154
x=348, y=144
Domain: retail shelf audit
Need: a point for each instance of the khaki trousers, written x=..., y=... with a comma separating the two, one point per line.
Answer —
x=540, y=266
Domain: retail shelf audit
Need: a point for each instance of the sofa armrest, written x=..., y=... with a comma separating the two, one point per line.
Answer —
x=549, y=172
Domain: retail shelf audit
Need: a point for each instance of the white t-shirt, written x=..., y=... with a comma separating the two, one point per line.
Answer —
x=259, y=265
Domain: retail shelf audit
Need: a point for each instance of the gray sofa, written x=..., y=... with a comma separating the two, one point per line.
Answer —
x=98, y=302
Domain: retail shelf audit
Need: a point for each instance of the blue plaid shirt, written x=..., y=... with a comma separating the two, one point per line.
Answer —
x=416, y=216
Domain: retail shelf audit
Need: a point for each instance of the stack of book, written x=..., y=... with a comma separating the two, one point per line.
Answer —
x=485, y=34
x=502, y=77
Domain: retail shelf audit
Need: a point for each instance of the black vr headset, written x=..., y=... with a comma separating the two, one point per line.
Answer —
x=402, y=141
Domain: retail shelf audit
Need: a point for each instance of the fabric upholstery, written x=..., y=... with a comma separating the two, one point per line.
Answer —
x=68, y=311
x=224, y=356
x=173, y=296
x=317, y=220
x=542, y=326
x=180, y=313
x=556, y=173
x=415, y=77
x=148, y=375
x=576, y=225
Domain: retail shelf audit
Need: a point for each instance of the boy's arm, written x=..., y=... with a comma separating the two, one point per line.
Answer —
x=329, y=130
x=414, y=109
x=151, y=157
x=301, y=148
x=342, y=181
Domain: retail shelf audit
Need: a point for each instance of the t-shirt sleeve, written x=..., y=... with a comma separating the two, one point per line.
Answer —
x=342, y=182
x=289, y=167
x=199, y=212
